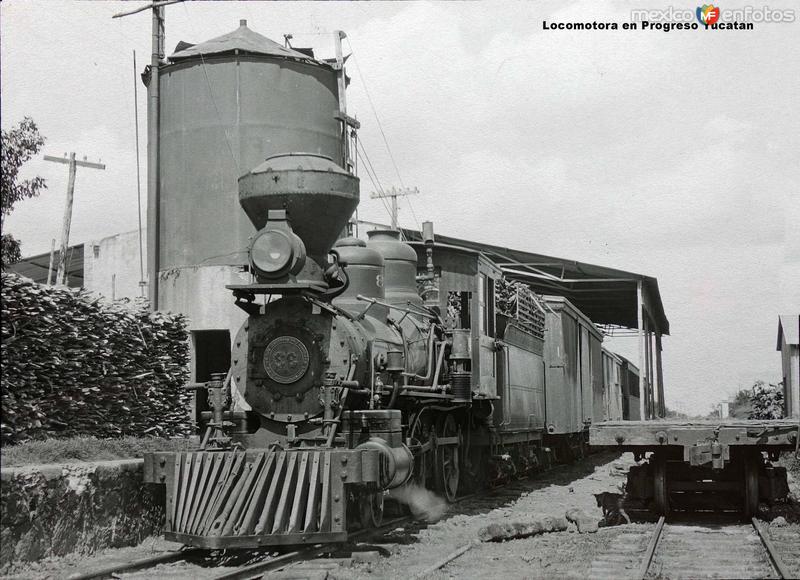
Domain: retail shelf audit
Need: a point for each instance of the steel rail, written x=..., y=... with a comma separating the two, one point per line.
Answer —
x=109, y=571
x=651, y=548
x=774, y=558
x=258, y=569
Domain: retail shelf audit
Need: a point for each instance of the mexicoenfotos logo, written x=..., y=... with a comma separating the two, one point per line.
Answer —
x=707, y=14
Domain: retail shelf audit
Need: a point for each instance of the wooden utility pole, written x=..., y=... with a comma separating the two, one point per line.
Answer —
x=50, y=267
x=394, y=193
x=157, y=53
x=61, y=276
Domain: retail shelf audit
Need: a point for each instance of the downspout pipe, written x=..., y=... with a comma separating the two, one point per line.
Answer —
x=153, y=194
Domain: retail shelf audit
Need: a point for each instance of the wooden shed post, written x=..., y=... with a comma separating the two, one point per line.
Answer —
x=662, y=406
x=642, y=370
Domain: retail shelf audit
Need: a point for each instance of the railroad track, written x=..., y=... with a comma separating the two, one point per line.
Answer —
x=675, y=550
x=245, y=572
x=489, y=499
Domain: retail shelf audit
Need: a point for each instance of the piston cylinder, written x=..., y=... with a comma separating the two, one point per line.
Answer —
x=396, y=462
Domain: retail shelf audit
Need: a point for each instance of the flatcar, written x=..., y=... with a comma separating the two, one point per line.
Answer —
x=701, y=465
x=364, y=366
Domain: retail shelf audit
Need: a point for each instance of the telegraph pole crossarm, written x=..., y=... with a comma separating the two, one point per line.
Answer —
x=393, y=194
x=61, y=277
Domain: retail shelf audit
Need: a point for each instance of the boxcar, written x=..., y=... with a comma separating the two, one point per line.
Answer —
x=612, y=384
x=574, y=371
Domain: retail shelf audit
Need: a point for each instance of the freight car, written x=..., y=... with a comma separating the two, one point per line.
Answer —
x=363, y=366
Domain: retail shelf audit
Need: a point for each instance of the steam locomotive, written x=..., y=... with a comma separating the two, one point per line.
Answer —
x=364, y=366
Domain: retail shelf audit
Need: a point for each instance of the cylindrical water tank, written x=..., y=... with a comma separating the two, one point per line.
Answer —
x=225, y=106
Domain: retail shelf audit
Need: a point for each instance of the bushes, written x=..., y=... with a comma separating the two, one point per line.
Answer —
x=767, y=401
x=77, y=365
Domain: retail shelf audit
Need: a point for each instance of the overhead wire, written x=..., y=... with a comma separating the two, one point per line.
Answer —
x=380, y=127
x=374, y=111
x=368, y=165
x=373, y=176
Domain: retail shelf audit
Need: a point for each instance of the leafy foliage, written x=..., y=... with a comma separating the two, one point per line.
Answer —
x=18, y=146
x=742, y=398
x=767, y=401
x=673, y=414
x=74, y=364
x=10, y=251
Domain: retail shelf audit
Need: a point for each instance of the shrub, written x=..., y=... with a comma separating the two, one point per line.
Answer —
x=75, y=364
x=767, y=401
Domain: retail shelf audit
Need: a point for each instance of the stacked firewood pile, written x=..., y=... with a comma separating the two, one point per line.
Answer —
x=75, y=364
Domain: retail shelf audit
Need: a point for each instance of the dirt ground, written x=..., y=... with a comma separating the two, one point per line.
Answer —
x=556, y=555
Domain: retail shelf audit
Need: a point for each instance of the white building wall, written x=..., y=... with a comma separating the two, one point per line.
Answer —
x=111, y=265
x=790, y=355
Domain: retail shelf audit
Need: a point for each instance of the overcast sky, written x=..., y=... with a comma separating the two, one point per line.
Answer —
x=668, y=154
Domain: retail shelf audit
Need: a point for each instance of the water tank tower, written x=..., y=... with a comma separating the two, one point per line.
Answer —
x=226, y=105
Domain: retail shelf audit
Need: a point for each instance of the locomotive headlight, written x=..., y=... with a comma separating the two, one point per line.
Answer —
x=271, y=251
x=276, y=251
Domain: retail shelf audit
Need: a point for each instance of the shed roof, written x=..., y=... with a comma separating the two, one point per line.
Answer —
x=606, y=295
x=242, y=39
x=36, y=267
x=788, y=330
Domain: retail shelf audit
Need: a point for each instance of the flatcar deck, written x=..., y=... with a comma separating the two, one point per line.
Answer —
x=733, y=432
x=702, y=464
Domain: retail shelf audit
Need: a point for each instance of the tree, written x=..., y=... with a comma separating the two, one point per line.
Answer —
x=767, y=401
x=18, y=145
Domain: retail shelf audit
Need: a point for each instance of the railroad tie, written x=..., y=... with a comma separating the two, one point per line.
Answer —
x=623, y=557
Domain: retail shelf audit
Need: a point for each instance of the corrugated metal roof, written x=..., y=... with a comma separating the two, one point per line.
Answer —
x=605, y=295
x=788, y=329
x=36, y=267
x=242, y=39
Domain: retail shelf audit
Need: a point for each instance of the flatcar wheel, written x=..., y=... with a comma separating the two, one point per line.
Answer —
x=752, y=462
x=660, y=485
x=448, y=469
x=370, y=510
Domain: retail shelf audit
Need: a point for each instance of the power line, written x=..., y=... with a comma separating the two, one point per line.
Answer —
x=368, y=166
x=414, y=214
x=142, y=282
x=373, y=177
x=375, y=112
x=393, y=194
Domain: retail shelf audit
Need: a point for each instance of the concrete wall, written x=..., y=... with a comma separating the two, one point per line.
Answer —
x=53, y=510
x=111, y=269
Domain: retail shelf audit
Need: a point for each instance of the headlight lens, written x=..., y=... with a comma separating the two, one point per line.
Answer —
x=271, y=252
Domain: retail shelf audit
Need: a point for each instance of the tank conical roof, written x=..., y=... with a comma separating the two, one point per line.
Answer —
x=242, y=39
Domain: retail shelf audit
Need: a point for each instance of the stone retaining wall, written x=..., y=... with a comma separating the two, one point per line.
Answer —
x=52, y=510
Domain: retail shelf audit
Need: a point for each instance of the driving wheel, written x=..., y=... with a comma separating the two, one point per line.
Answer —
x=370, y=510
x=448, y=469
